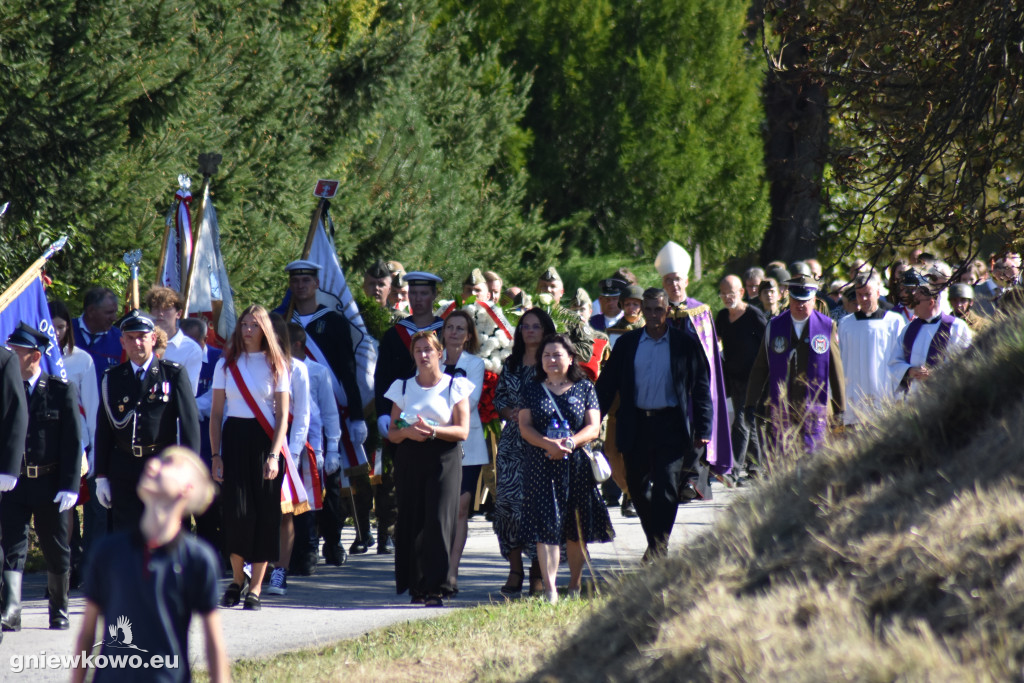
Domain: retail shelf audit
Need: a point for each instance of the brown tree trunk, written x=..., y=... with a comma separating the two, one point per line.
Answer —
x=796, y=140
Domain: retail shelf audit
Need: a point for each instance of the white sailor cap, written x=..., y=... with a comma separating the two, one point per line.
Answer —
x=672, y=259
x=419, y=277
x=303, y=267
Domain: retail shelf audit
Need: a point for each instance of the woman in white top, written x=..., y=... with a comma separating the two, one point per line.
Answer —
x=248, y=428
x=429, y=419
x=461, y=341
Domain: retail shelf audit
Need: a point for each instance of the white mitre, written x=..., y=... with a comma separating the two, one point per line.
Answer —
x=672, y=259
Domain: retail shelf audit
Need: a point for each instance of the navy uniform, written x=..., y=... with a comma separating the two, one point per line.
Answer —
x=139, y=417
x=47, y=489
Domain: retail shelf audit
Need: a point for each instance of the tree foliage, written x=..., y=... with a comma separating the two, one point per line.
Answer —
x=105, y=103
x=644, y=119
x=927, y=120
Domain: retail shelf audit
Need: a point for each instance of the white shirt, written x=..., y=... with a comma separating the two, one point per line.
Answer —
x=299, y=407
x=866, y=344
x=324, y=420
x=184, y=350
x=82, y=373
x=431, y=403
x=262, y=387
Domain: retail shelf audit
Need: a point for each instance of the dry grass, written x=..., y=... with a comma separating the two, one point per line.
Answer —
x=893, y=555
x=499, y=642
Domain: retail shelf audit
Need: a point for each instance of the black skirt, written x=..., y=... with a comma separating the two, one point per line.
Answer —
x=428, y=478
x=251, y=504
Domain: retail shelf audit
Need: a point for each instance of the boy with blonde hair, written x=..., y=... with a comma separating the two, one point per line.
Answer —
x=146, y=583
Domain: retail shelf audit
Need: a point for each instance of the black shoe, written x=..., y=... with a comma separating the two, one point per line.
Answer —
x=335, y=555
x=433, y=601
x=358, y=547
x=232, y=596
x=385, y=545
x=628, y=510
x=252, y=603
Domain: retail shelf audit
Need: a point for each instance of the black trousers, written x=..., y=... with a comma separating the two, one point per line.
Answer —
x=125, y=506
x=659, y=460
x=746, y=445
x=384, y=493
x=34, y=497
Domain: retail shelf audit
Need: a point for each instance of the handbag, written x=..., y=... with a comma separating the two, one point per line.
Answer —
x=599, y=465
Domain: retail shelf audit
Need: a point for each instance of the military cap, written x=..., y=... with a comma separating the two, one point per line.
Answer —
x=800, y=268
x=550, y=275
x=632, y=292
x=912, y=279
x=27, y=337
x=303, y=267
x=419, y=277
x=580, y=300
x=612, y=286
x=378, y=270
x=475, y=278
x=802, y=287
x=961, y=291
x=136, y=321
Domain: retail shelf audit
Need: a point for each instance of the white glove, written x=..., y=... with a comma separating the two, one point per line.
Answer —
x=383, y=424
x=358, y=432
x=332, y=462
x=319, y=460
x=67, y=500
x=7, y=482
x=103, y=491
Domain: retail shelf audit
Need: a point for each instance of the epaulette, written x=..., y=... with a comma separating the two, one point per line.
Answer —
x=172, y=363
x=58, y=379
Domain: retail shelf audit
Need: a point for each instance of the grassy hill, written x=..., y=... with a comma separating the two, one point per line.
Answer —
x=893, y=555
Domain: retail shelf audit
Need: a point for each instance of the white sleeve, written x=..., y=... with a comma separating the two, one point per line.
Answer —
x=475, y=374
x=898, y=364
x=328, y=411
x=89, y=397
x=299, y=408
x=193, y=362
x=960, y=337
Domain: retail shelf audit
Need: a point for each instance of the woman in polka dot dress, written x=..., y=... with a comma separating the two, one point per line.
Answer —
x=561, y=501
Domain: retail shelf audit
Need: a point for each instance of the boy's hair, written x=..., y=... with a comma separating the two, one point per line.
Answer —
x=296, y=333
x=203, y=487
x=162, y=297
x=196, y=328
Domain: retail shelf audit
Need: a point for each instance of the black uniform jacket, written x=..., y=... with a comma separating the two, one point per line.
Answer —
x=689, y=376
x=13, y=414
x=332, y=332
x=167, y=415
x=54, y=432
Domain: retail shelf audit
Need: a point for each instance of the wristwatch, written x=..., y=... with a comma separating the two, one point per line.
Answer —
x=570, y=443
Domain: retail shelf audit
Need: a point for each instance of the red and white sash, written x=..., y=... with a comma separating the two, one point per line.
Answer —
x=293, y=494
x=354, y=453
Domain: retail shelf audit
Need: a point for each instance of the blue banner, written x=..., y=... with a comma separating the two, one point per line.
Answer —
x=30, y=307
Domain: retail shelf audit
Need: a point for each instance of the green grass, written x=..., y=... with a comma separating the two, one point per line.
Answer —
x=498, y=642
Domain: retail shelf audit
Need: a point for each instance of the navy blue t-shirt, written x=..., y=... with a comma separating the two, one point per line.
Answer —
x=147, y=598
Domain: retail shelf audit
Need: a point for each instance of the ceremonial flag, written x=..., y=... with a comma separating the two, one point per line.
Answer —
x=335, y=294
x=177, y=250
x=25, y=301
x=208, y=289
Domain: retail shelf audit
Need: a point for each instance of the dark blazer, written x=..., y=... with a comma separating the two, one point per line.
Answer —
x=54, y=436
x=167, y=415
x=333, y=333
x=13, y=414
x=689, y=376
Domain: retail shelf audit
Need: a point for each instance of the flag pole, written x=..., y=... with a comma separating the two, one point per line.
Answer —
x=31, y=273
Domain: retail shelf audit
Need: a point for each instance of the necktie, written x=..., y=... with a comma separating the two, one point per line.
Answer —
x=140, y=374
x=28, y=390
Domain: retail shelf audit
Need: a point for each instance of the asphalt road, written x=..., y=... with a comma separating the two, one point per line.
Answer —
x=339, y=603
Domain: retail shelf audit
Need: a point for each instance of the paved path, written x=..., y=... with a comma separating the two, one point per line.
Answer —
x=344, y=602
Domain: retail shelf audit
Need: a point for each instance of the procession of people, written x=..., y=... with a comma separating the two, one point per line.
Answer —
x=457, y=409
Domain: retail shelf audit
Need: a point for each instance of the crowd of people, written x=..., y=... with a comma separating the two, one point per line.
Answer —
x=459, y=405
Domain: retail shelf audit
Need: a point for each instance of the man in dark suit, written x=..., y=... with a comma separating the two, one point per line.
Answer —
x=48, y=483
x=146, y=404
x=658, y=373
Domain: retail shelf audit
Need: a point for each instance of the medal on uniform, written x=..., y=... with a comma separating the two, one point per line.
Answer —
x=120, y=408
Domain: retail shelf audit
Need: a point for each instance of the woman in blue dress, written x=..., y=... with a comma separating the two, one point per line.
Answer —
x=561, y=501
